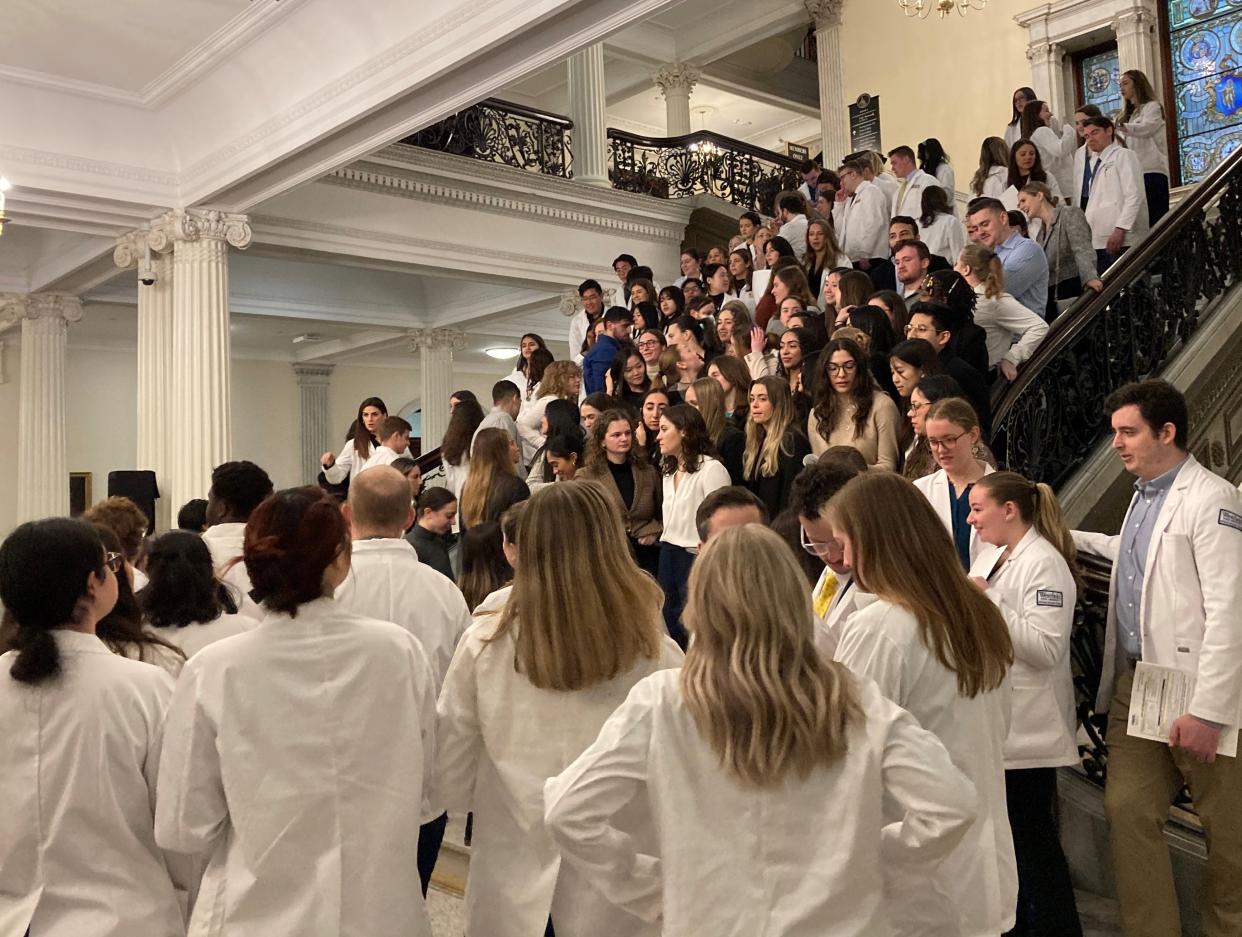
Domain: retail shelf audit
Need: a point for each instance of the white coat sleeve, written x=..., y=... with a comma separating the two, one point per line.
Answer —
x=1049, y=146
x=191, y=810
x=1040, y=627
x=760, y=364
x=1133, y=194
x=1217, y=544
x=929, y=803
x=868, y=652
x=185, y=871
x=1019, y=321
x=580, y=802
x=459, y=734
x=425, y=701
x=528, y=423
x=341, y=467
x=1148, y=121
x=1105, y=545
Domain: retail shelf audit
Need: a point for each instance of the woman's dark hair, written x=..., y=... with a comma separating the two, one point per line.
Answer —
x=919, y=353
x=540, y=358
x=563, y=445
x=362, y=438
x=695, y=443
x=1038, y=173
x=874, y=321
x=563, y=417
x=193, y=515
x=645, y=315
x=679, y=303
x=691, y=325
x=805, y=342
x=1029, y=94
x=463, y=395
x=522, y=363
x=935, y=201
x=782, y=247
x=827, y=407
x=931, y=155
x=939, y=386
x=855, y=288
x=183, y=589
x=949, y=288
x=484, y=568
x=894, y=301
x=291, y=539
x=815, y=327
x=44, y=568
x=463, y=422
x=599, y=400
x=121, y=629
x=435, y=498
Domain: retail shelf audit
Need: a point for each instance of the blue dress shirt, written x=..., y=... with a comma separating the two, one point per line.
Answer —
x=1026, y=272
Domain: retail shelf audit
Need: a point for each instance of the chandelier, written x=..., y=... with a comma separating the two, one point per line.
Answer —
x=923, y=8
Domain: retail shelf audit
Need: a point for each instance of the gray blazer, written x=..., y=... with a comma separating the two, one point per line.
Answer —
x=1067, y=243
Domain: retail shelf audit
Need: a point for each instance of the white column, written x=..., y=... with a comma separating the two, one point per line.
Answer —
x=586, y=110
x=313, y=382
x=155, y=355
x=1137, y=43
x=201, y=416
x=1048, y=78
x=42, y=464
x=676, y=81
x=834, y=115
x=435, y=349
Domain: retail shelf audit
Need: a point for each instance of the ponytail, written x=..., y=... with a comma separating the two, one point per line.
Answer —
x=984, y=264
x=38, y=657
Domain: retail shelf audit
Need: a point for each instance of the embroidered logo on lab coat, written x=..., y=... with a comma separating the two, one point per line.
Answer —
x=1229, y=519
x=1049, y=598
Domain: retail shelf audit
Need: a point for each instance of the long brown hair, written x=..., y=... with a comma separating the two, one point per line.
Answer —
x=823, y=260
x=796, y=282
x=557, y=380
x=463, y=423
x=583, y=610
x=993, y=153
x=985, y=265
x=1038, y=506
x=757, y=688
x=710, y=404
x=695, y=443
x=1145, y=93
x=362, y=437
x=490, y=459
x=595, y=460
x=904, y=555
x=764, y=444
x=828, y=408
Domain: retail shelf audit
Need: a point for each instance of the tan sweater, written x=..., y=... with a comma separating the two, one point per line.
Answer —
x=878, y=442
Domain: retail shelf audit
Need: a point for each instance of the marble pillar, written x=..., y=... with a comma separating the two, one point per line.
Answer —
x=586, y=110
x=834, y=117
x=316, y=435
x=435, y=348
x=676, y=81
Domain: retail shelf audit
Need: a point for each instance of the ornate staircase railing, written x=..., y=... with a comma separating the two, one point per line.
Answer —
x=499, y=132
x=1048, y=421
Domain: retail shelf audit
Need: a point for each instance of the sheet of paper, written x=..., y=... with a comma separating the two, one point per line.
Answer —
x=1159, y=696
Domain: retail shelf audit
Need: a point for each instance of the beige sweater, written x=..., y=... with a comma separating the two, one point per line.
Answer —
x=878, y=442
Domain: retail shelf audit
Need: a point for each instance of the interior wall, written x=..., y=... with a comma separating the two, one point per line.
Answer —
x=952, y=79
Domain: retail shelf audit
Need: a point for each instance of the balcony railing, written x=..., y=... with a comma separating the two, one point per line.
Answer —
x=700, y=163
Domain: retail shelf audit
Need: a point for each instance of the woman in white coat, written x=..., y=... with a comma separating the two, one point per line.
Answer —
x=1141, y=125
x=526, y=694
x=359, y=447
x=778, y=783
x=80, y=748
x=952, y=430
x=1029, y=573
x=938, y=648
x=297, y=755
x=1056, y=147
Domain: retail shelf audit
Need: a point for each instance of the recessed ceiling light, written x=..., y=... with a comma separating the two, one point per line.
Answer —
x=500, y=354
x=307, y=337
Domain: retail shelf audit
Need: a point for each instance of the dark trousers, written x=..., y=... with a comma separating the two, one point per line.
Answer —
x=1157, y=188
x=1045, y=894
x=647, y=556
x=674, y=574
x=1104, y=260
x=430, y=836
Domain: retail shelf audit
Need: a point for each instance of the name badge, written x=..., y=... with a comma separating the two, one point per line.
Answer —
x=1049, y=598
x=1229, y=519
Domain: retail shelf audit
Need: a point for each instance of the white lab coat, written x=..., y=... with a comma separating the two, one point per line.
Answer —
x=862, y=223
x=194, y=637
x=1056, y=151
x=972, y=892
x=1192, y=593
x=794, y=231
x=382, y=455
x=500, y=738
x=1009, y=197
x=935, y=488
x=945, y=236
x=995, y=182
x=528, y=422
x=455, y=475
x=1035, y=591
x=386, y=581
x=910, y=203
x=1012, y=134
x=80, y=755
x=225, y=542
x=295, y=755
x=1014, y=332
x=803, y=858
x=843, y=604
x=1118, y=198
x=1145, y=136
x=347, y=465
x=947, y=178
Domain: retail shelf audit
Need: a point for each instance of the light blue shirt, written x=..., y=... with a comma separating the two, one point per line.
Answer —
x=1140, y=523
x=1026, y=272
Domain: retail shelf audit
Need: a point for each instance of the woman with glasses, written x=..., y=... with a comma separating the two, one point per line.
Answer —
x=650, y=344
x=775, y=446
x=952, y=433
x=80, y=749
x=850, y=410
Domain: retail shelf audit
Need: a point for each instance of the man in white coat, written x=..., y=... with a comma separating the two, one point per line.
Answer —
x=237, y=488
x=861, y=216
x=387, y=582
x=1175, y=601
x=911, y=182
x=394, y=443
x=1109, y=184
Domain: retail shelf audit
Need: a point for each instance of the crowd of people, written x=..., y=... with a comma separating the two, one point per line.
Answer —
x=730, y=624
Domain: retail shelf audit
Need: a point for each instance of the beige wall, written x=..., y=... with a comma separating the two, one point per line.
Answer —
x=952, y=79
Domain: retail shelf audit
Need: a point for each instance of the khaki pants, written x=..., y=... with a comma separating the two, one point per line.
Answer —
x=1143, y=779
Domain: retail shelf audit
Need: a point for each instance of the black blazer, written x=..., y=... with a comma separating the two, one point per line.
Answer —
x=774, y=490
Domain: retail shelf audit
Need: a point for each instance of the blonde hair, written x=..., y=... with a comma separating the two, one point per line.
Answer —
x=955, y=410
x=556, y=380
x=1041, y=189
x=765, y=444
x=667, y=375
x=1038, y=506
x=710, y=404
x=582, y=610
x=490, y=457
x=903, y=553
x=759, y=692
x=984, y=264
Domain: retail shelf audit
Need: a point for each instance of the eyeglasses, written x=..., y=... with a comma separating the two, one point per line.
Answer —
x=814, y=547
x=947, y=443
x=649, y=343
x=916, y=407
x=114, y=561
x=921, y=330
x=847, y=368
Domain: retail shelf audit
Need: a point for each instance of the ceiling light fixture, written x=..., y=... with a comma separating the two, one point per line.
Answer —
x=923, y=8
x=500, y=354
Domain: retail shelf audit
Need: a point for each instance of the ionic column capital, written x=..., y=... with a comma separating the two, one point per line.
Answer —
x=194, y=224
x=1045, y=52
x=1134, y=21
x=17, y=306
x=825, y=14
x=311, y=375
x=436, y=339
x=678, y=77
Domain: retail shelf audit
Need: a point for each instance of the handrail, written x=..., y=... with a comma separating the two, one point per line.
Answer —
x=496, y=131
x=705, y=136
x=1051, y=417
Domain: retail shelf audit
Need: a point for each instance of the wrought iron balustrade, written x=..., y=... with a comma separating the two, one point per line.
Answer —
x=499, y=132
x=700, y=163
x=1154, y=298
x=1086, y=662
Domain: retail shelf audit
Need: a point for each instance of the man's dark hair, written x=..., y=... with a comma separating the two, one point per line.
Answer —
x=589, y=285
x=193, y=515
x=628, y=258
x=794, y=203
x=733, y=496
x=752, y=217
x=906, y=220
x=392, y=425
x=904, y=151
x=828, y=177
x=695, y=280
x=852, y=165
x=639, y=273
x=617, y=314
x=434, y=499
x=944, y=318
x=504, y=390
x=815, y=486
x=1158, y=402
x=242, y=486
x=404, y=464
x=806, y=166
x=1102, y=121
x=919, y=247
x=1017, y=220
x=986, y=203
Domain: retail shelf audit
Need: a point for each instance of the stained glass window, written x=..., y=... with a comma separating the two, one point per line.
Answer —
x=1205, y=42
x=1101, y=81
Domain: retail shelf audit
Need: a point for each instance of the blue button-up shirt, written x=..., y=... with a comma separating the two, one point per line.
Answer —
x=1132, y=558
x=1026, y=272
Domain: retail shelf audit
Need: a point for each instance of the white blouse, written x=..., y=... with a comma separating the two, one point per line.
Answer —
x=683, y=493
